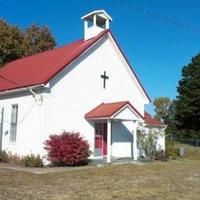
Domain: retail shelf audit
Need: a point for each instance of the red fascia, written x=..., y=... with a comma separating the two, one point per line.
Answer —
x=106, y=110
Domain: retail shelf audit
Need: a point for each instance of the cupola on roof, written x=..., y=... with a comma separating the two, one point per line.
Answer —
x=95, y=22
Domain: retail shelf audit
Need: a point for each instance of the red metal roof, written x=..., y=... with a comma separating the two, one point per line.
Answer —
x=150, y=120
x=106, y=110
x=40, y=68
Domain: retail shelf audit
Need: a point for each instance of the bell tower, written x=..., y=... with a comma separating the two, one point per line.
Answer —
x=95, y=22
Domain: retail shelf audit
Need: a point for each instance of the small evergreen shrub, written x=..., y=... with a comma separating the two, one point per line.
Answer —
x=67, y=149
x=4, y=156
x=32, y=161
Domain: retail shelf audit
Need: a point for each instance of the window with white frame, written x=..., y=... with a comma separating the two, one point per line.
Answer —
x=13, y=122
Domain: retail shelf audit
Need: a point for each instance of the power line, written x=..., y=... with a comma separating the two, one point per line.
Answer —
x=6, y=79
x=157, y=16
x=34, y=95
x=28, y=88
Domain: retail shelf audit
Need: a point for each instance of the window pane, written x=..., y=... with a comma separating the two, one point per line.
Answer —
x=13, y=123
x=14, y=114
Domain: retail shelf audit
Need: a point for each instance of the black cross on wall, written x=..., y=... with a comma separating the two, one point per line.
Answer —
x=104, y=77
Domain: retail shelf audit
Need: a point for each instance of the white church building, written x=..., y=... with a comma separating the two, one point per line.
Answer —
x=87, y=86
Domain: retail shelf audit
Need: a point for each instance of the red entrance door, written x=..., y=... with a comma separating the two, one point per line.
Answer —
x=101, y=138
x=104, y=139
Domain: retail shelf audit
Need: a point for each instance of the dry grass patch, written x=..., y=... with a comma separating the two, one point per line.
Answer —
x=172, y=180
x=191, y=152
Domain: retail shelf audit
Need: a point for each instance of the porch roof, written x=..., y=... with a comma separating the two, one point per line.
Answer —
x=111, y=110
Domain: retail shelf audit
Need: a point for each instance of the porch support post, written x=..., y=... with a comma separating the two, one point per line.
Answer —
x=135, y=141
x=109, y=142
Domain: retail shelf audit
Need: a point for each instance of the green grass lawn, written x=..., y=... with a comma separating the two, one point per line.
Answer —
x=171, y=180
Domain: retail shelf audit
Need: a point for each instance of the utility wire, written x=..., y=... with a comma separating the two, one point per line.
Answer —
x=10, y=81
x=31, y=108
x=23, y=118
x=140, y=9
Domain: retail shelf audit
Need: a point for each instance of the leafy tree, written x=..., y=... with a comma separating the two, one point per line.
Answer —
x=188, y=100
x=165, y=109
x=11, y=42
x=162, y=105
x=170, y=120
x=38, y=39
x=16, y=43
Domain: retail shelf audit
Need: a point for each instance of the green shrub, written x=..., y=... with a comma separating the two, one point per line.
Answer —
x=147, y=142
x=32, y=161
x=4, y=156
x=171, y=151
x=14, y=159
x=27, y=161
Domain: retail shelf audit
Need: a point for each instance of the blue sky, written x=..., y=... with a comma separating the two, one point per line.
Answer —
x=158, y=37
